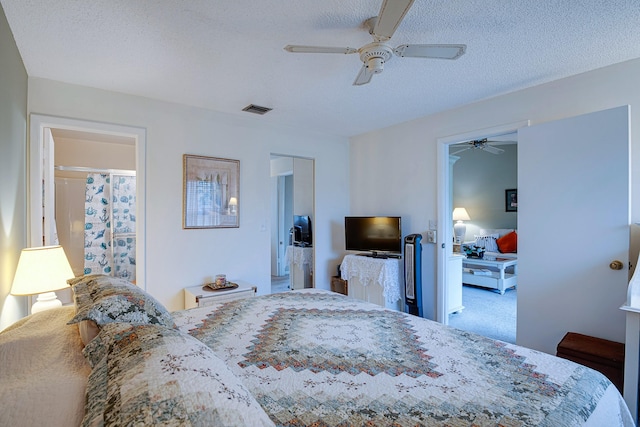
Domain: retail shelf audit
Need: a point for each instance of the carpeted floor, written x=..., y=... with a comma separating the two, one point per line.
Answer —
x=487, y=313
x=279, y=284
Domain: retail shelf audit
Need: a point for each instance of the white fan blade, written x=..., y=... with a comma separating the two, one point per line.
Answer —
x=319, y=49
x=438, y=51
x=502, y=141
x=460, y=151
x=391, y=14
x=364, y=76
x=493, y=150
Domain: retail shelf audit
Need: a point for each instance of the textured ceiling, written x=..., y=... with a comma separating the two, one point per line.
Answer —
x=225, y=54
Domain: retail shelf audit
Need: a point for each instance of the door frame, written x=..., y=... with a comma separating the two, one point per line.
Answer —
x=444, y=221
x=40, y=155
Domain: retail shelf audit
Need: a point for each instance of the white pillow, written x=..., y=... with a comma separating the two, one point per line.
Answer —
x=487, y=242
x=499, y=231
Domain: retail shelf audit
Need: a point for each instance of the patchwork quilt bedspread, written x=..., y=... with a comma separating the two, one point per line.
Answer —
x=313, y=357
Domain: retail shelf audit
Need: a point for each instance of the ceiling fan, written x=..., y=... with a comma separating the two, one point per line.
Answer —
x=375, y=54
x=483, y=144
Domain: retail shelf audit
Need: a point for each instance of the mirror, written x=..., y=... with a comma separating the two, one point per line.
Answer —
x=292, y=204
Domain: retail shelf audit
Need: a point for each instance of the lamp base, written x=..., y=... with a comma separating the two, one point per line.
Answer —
x=46, y=301
x=459, y=230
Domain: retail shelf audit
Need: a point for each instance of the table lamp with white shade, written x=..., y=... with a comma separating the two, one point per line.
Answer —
x=42, y=271
x=459, y=229
x=233, y=205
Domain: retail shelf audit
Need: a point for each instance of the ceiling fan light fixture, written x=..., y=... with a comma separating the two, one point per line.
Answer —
x=374, y=55
x=375, y=65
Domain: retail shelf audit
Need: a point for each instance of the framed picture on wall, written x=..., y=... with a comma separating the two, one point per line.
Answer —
x=211, y=192
x=511, y=200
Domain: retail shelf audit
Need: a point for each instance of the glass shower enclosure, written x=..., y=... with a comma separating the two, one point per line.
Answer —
x=96, y=220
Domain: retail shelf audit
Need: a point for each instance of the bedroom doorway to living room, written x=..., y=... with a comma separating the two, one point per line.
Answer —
x=480, y=167
x=559, y=294
x=484, y=179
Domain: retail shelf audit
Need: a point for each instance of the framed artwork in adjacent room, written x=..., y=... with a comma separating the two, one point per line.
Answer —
x=511, y=200
x=211, y=192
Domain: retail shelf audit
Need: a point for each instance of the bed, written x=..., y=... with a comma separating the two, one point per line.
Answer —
x=305, y=357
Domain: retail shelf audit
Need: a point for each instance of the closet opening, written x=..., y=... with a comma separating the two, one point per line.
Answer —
x=292, y=199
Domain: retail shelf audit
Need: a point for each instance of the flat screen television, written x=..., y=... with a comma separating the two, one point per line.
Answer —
x=302, y=230
x=378, y=235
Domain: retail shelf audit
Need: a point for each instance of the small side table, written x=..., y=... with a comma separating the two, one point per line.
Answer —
x=195, y=296
x=339, y=285
x=604, y=356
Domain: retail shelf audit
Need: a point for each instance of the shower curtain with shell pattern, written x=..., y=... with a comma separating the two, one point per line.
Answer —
x=110, y=225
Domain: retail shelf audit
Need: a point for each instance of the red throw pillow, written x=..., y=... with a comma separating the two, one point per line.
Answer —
x=508, y=243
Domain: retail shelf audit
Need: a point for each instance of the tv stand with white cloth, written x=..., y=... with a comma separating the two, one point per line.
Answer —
x=375, y=280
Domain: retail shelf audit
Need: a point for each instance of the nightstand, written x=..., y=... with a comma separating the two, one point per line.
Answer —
x=195, y=296
x=339, y=285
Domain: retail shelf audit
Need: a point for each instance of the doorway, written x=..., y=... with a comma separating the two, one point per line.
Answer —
x=561, y=293
x=445, y=209
x=42, y=171
x=483, y=171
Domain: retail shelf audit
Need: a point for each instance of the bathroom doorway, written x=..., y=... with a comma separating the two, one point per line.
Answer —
x=75, y=137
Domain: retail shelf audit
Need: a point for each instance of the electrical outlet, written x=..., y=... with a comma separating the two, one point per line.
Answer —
x=431, y=236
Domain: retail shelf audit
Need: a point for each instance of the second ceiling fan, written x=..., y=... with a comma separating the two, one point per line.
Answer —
x=486, y=144
x=375, y=54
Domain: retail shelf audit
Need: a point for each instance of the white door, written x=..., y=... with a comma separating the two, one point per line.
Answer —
x=573, y=221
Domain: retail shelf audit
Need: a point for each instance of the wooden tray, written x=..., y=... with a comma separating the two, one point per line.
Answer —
x=214, y=287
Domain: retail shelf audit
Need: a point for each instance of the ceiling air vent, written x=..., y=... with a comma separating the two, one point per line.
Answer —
x=256, y=109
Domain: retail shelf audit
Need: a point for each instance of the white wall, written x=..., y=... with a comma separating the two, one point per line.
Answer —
x=177, y=258
x=13, y=202
x=94, y=154
x=407, y=152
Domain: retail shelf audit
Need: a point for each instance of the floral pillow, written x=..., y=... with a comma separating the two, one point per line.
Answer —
x=105, y=299
x=152, y=375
